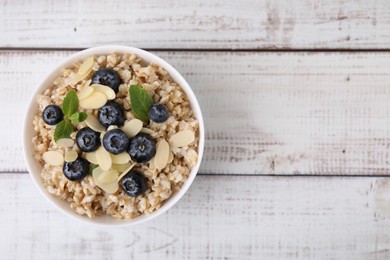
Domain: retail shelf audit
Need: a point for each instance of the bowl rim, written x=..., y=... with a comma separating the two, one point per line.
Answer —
x=33, y=165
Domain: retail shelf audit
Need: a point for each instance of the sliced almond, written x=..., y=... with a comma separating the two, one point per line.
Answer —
x=71, y=156
x=182, y=138
x=121, y=158
x=108, y=176
x=162, y=154
x=85, y=92
x=109, y=187
x=147, y=131
x=86, y=66
x=53, y=158
x=170, y=158
x=112, y=127
x=97, y=171
x=109, y=92
x=65, y=142
x=94, y=124
x=94, y=101
x=151, y=163
x=126, y=171
x=102, y=135
x=75, y=78
x=91, y=157
x=132, y=127
x=120, y=167
x=103, y=158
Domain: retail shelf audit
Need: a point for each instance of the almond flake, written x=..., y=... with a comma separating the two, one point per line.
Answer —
x=108, y=176
x=94, y=101
x=91, y=157
x=107, y=91
x=85, y=92
x=182, y=138
x=170, y=158
x=126, y=171
x=102, y=135
x=71, y=156
x=109, y=187
x=65, y=142
x=121, y=158
x=75, y=78
x=94, y=124
x=162, y=154
x=121, y=167
x=112, y=127
x=86, y=66
x=132, y=127
x=103, y=158
x=147, y=131
x=151, y=163
x=97, y=171
x=53, y=158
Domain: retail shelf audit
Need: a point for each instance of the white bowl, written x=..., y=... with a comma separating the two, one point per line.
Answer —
x=35, y=168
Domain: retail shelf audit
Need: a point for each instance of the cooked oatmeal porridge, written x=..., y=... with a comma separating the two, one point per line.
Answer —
x=115, y=136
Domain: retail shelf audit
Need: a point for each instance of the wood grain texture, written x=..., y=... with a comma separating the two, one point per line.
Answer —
x=265, y=113
x=175, y=24
x=219, y=218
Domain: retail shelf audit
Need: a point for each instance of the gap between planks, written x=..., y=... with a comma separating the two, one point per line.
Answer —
x=314, y=50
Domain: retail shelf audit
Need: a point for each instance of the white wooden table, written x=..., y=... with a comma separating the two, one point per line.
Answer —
x=296, y=100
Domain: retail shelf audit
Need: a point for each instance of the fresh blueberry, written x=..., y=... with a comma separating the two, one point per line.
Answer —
x=134, y=183
x=111, y=114
x=76, y=170
x=87, y=140
x=141, y=148
x=115, y=141
x=107, y=77
x=52, y=115
x=158, y=113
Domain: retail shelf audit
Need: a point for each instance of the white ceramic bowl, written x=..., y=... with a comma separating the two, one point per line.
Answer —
x=34, y=167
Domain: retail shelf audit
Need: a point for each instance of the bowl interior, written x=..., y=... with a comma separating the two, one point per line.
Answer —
x=34, y=167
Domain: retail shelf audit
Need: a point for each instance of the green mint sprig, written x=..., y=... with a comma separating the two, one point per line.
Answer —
x=69, y=107
x=140, y=101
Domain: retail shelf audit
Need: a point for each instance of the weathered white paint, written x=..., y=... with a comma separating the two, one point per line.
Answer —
x=265, y=113
x=219, y=218
x=176, y=24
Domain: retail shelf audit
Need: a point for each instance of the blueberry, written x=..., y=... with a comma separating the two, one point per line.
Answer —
x=141, y=148
x=87, y=140
x=158, y=113
x=52, y=115
x=76, y=170
x=115, y=141
x=107, y=77
x=111, y=114
x=134, y=183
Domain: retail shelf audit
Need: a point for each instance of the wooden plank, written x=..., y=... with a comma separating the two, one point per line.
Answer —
x=219, y=218
x=246, y=24
x=265, y=113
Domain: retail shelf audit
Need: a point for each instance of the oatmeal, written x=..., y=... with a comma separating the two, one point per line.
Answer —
x=115, y=136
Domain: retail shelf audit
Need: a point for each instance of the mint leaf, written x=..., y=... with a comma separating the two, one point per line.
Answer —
x=70, y=104
x=78, y=117
x=140, y=102
x=75, y=118
x=63, y=130
x=82, y=116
